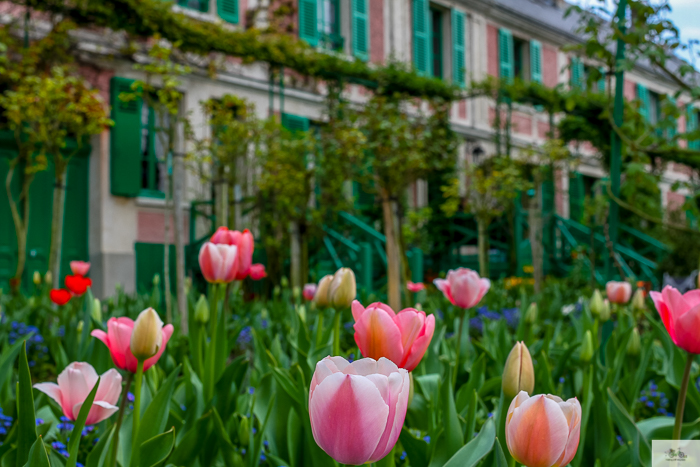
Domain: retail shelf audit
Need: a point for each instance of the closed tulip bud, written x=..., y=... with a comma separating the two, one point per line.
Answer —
x=296, y=293
x=634, y=345
x=147, y=336
x=531, y=313
x=638, y=300
x=156, y=280
x=605, y=312
x=343, y=289
x=587, y=347
x=48, y=277
x=276, y=291
x=36, y=278
x=596, y=303
x=518, y=373
x=301, y=311
x=243, y=431
x=284, y=281
x=31, y=302
x=96, y=311
x=237, y=460
x=79, y=327
x=201, y=310
x=321, y=298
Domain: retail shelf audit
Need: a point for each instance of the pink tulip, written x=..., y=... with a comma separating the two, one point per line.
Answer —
x=357, y=409
x=543, y=431
x=218, y=262
x=118, y=341
x=681, y=316
x=79, y=268
x=618, y=292
x=403, y=338
x=257, y=272
x=309, y=291
x=74, y=386
x=463, y=287
x=245, y=243
x=415, y=287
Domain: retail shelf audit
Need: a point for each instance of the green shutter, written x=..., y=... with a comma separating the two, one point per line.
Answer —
x=125, y=147
x=75, y=219
x=360, y=29
x=673, y=130
x=536, y=61
x=199, y=5
x=308, y=21
x=692, y=125
x=228, y=10
x=295, y=123
x=459, y=39
x=8, y=237
x=577, y=196
x=578, y=73
x=505, y=54
x=421, y=38
x=645, y=98
x=601, y=81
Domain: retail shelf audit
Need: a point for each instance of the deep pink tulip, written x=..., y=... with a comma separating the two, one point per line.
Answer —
x=357, y=409
x=543, y=430
x=463, y=287
x=74, y=386
x=618, y=292
x=415, y=286
x=118, y=341
x=80, y=268
x=245, y=243
x=218, y=262
x=309, y=291
x=403, y=338
x=257, y=272
x=680, y=314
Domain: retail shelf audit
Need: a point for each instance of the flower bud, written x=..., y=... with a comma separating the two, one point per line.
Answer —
x=605, y=312
x=343, y=289
x=518, y=373
x=531, y=313
x=96, y=311
x=634, y=345
x=276, y=291
x=301, y=311
x=638, y=300
x=596, y=303
x=321, y=298
x=147, y=336
x=48, y=277
x=201, y=310
x=284, y=281
x=79, y=327
x=243, y=431
x=296, y=292
x=36, y=278
x=587, y=347
x=156, y=280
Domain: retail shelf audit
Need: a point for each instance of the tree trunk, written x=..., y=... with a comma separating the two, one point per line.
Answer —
x=222, y=191
x=20, y=221
x=393, y=257
x=59, y=196
x=483, y=227
x=166, y=252
x=179, y=219
x=295, y=260
x=535, y=221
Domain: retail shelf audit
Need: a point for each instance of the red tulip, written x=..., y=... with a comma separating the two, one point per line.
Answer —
x=257, y=271
x=463, y=287
x=245, y=243
x=219, y=262
x=309, y=291
x=681, y=316
x=60, y=296
x=80, y=268
x=78, y=284
x=618, y=292
x=403, y=338
x=415, y=286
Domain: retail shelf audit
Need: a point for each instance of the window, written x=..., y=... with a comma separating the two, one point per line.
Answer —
x=459, y=58
x=436, y=41
x=227, y=9
x=153, y=154
x=199, y=5
x=521, y=68
x=578, y=73
x=329, y=24
x=692, y=125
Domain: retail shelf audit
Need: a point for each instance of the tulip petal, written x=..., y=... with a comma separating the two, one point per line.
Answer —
x=410, y=323
x=74, y=385
x=348, y=417
x=50, y=389
x=674, y=301
x=110, y=387
x=665, y=313
x=357, y=310
x=572, y=412
x=99, y=411
x=397, y=400
x=692, y=297
x=167, y=332
x=686, y=330
x=377, y=335
x=420, y=345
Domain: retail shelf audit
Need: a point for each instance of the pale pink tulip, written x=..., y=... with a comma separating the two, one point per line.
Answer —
x=618, y=292
x=403, y=338
x=357, y=409
x=74, y=386
x=543, y=430
x=80, y=268
x=463, y=287
x=245, y=243
x=415, y=286
x=257, y=272
x=218, y=262
x=309, y=291
x=118, y=341
x=681, y=316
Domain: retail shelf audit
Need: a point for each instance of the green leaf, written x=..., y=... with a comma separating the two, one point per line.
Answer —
x=37, y=456
x=188, y=448
x=7, y=361
x=98, y=454
x=662, y=428
x=26, y=435
x=227, y=448
x=640, y=452
x=475, y=450
x=416, y=449
x=500, y=457
x=387, y=461
x=157, y=449
x=75, y=436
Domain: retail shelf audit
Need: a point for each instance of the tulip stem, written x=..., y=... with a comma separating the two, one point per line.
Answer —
x=680, y=408
x=319, y=329
x=459, y=346
x=120, y=418
x=136, y=416
x=336, y=333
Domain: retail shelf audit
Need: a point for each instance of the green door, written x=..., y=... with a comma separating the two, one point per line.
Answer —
x=75, y=216
x=8, y=239
x=149, y=262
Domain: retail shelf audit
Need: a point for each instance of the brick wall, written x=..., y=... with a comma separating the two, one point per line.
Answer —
x=376, y=23
x=550, y=66
x=492, y=49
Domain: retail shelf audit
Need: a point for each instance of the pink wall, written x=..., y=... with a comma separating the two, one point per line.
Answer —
x=521, y=123
x=376, y=28
x=630, y=90
x=242, y=10
x=98, y=79
x=542, y=129
x=492, y=49
x=550, y=66
x=462, y=110
x=151, y=227
x=674, y=201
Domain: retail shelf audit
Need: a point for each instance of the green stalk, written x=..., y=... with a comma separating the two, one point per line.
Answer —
x=336, y=333
x=136, y=416
x=120, y=418
x=210, y=359
x=680, y=408
x=459, y=346
x=319, y=329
